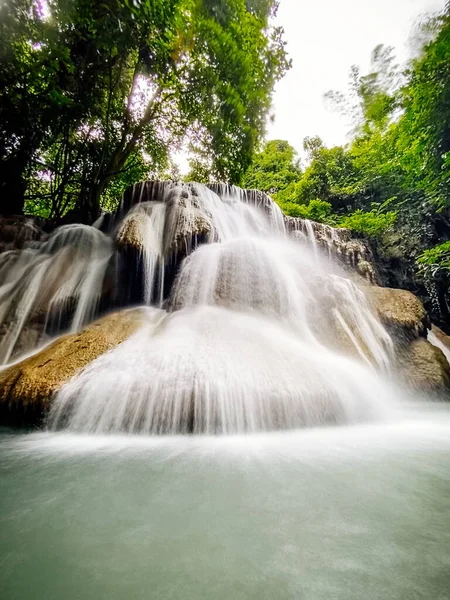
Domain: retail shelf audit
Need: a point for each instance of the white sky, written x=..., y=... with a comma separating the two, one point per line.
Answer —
x=324, y=38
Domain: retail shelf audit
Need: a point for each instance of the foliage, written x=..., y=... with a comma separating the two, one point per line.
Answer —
x=315, y=210
x=371, y=100
x=89, y=88
x=371, y=224
x=435, y=259
x=424, y=146
x=273, y=169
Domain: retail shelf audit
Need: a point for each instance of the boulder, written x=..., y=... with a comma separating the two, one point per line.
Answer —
x=26, y=387
x=400, y=311
x=132, y=231
x=424, y=368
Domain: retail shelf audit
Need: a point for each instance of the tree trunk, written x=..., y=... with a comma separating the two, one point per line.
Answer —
x=88, y=209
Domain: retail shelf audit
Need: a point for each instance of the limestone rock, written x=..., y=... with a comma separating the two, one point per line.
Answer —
x=27, y=387
x=354, y=254
x=170, y=224
x=424, y=368
x=400, y=311
x=132, y=232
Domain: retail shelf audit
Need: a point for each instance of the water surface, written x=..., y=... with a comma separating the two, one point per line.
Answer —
x=359, y=512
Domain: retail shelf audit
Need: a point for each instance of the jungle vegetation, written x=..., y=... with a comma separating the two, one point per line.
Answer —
x=391, y=182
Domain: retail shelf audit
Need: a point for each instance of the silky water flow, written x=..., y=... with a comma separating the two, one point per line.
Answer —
x=240, y=344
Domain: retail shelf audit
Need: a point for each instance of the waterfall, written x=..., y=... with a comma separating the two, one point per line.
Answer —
x=57, y=282
x=248, y=328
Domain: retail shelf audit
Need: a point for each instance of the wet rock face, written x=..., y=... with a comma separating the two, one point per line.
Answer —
x=441, y=336
x=420, y=366
x=54, y=284
x=26, y=388
x=169, y=219
x=354, y=254
x=16, y=231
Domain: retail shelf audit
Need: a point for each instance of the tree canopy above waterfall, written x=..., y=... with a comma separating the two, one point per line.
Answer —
x=95, y=95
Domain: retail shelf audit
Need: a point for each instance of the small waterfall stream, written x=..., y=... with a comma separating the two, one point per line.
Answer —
x=57, y=282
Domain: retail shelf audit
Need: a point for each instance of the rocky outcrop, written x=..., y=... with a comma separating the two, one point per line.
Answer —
x=424, y=368
x=400, y=311
x=131, y=234
x=55, y=284
x=420, y=365
x=26, y=387
x=188, y=223
x=16, y=231
x=169, y=220
x=355, y=255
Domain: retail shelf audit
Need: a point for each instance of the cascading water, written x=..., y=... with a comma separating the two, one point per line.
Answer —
x=58, y=279
x=256, y=333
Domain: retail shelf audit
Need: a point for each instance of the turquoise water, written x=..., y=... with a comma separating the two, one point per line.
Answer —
x=343, y=514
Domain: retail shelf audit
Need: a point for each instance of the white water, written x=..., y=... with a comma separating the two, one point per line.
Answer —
x=433, y=339
x=44, y=281
x=259, y=333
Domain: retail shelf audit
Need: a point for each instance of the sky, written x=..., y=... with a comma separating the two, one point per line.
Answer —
x=324, y=38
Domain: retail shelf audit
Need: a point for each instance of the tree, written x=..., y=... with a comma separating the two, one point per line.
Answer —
x=330, y=176
x=424, y=145
x=31, y=83
x=372, y=98
x=274, y=168
x=139, y=77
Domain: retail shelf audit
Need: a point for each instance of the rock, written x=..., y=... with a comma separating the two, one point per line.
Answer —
x=132, y=231
x=170, y=221
x=55, y=284
x=189, y=223
x=400, y=311
x=441, y=336
x=424, y=368
x=26, y=387
x=354, y=254
x=15, y=231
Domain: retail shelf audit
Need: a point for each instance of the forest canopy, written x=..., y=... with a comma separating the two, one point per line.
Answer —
x=96, y=95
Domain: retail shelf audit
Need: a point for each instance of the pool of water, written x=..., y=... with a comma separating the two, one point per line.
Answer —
x=346, y=513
